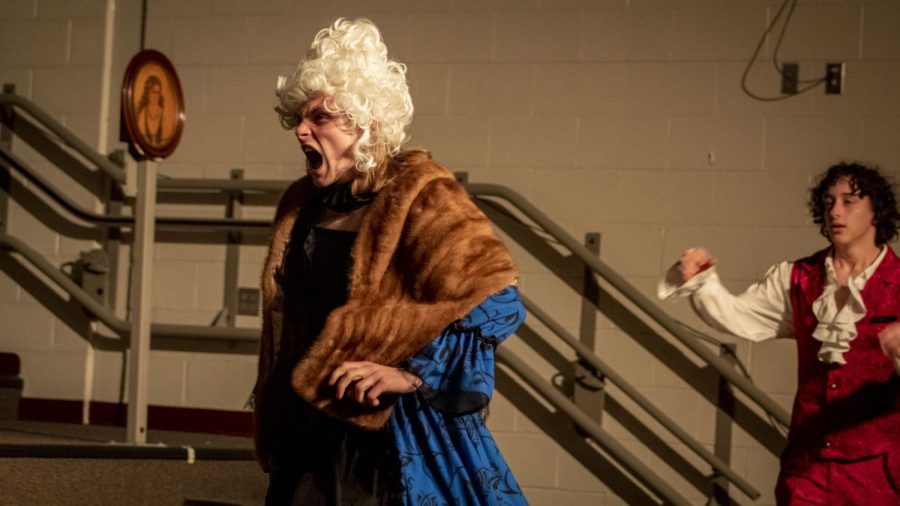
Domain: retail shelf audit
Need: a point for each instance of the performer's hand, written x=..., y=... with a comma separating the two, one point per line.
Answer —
x=366, y=381
x=889, y=337
x=694, y=261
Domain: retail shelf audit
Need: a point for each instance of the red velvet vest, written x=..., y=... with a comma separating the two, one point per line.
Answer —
x=846, y=411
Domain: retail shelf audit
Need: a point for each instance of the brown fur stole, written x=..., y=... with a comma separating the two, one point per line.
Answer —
x=424, y=257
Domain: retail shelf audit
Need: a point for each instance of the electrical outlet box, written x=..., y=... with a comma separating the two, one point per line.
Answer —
x=834, y=78
x=790, y=73
x=248, y=301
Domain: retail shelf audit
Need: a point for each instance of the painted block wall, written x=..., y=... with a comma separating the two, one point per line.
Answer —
x=623, y=117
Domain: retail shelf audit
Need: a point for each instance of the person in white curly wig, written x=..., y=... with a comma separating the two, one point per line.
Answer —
x=348, y=63
x=385, y=293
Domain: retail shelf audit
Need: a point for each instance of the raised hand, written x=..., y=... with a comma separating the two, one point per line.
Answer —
x=694, y=261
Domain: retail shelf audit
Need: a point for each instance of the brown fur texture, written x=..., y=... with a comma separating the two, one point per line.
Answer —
x=424, y=257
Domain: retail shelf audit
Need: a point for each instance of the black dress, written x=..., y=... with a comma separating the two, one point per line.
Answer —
x=321, y=460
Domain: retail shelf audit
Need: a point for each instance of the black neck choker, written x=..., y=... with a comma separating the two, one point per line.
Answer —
x=340, y=199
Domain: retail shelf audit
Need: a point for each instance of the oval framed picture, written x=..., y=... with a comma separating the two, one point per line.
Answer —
x=152, y=104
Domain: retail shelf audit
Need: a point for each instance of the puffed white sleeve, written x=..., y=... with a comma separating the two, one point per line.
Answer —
x=761, y=312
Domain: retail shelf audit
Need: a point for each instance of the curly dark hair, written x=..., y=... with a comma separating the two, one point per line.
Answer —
x=868, y=182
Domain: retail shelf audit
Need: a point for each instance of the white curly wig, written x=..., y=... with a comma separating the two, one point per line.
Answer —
x=348, y=62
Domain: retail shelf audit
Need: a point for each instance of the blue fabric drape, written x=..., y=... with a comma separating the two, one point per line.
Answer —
x=447, y=454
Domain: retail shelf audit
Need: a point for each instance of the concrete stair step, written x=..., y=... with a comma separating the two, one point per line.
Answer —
x=37, y=467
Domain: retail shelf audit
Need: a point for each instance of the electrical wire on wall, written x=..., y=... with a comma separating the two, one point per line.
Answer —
x=789, y=6
x=143, y=24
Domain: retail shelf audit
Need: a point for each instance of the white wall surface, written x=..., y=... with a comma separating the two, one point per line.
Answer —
x=624, y=117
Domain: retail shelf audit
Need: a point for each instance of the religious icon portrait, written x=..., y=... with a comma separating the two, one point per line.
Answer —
x=152, y=104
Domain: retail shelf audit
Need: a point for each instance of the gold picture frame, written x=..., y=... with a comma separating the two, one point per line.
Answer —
x=152, y=105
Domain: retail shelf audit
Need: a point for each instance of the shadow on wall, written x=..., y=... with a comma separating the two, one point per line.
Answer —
x=703, y=379
x=562, y=430
x=570, y=269
x=559, y=427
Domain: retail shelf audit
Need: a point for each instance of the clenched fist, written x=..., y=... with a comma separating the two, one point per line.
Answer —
x=694, y=261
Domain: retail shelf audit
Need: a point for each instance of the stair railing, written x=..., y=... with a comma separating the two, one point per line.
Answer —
x=632, y=294
x=122, y=327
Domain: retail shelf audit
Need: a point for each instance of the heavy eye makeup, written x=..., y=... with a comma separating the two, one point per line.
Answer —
x=317, y=116
x=320, y=118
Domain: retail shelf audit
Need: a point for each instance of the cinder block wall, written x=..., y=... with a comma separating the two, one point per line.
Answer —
x=623, y=117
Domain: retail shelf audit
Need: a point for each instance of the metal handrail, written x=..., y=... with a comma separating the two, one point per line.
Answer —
x=104, y=221
x=123, y=328
x=607, y=442
x=477, y=189
x=632, y=294
x=8, y=99
x=11, y=99
x=241, y=185
x=618, y=452
x=587, y=354
x=107, y=317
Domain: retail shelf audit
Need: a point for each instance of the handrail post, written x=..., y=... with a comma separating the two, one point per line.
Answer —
x=725, y=404
x=4, y=199
x=141, y=297
x=588, y=385
x=112, y=237
x=5, y=144
x=590, y=294
x=233, y=209
x=7, y=112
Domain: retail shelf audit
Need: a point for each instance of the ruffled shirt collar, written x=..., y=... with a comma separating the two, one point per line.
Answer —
x=837, y=327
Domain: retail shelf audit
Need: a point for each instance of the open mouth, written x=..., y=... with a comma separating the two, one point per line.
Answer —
x=313, y=158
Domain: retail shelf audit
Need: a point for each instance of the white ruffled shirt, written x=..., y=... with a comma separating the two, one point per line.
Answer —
x=763, y=311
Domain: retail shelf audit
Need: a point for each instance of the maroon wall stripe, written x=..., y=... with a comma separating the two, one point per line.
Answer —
x=210, y=421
